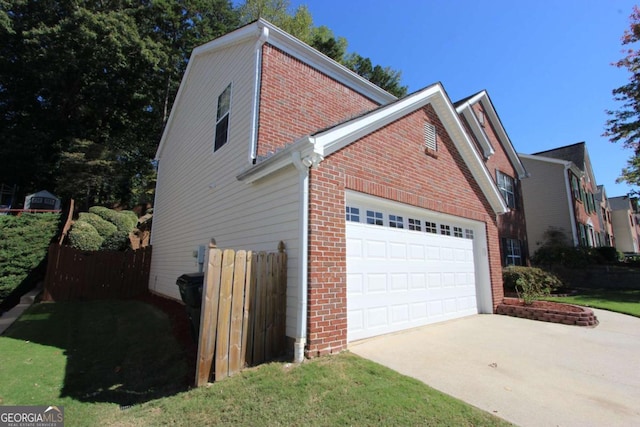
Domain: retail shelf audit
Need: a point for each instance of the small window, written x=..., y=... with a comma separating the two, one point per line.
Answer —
x=430, y=142
x=396, y=221
x=468, y=234
x=374, y=218
x=512, y=252
x=457, y=232
x=506, y=184
x=353, y=214
x=415, y=224
x=445, y=230
x=430, y=227
x=222, y=118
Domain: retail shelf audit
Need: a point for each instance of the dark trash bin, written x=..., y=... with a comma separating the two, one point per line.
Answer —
x=190, y=285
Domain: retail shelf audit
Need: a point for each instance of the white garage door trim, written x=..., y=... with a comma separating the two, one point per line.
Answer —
x=398, y=249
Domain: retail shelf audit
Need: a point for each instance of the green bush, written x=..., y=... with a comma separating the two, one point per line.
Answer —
x=131, y=217
x=84, y=236
x=122, y=221
x=118, y=241
x=102, y=226
x=529, y=283
x=609, y=254
x=23, y=246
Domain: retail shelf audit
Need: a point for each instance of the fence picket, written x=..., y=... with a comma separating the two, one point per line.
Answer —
x=237, y=305
x=209, y=317
x=224, y=314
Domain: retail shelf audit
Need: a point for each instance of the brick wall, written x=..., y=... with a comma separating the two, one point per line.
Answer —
x=388, y=163
x=297, y=100
x=511, y=225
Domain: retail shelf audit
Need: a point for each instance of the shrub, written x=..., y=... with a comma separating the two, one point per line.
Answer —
x=609, y=254
x=23, y=246
x=122, y=221
x=102, y=226
x=84, y=236
x=118, y=241
x=529, y=283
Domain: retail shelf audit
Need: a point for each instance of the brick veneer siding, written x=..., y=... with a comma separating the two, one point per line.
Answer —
x=388, y=163
x=511, y=225
x=296, y=100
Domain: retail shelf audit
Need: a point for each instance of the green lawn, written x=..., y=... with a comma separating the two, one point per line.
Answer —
x=117, y=363
x=626, y=301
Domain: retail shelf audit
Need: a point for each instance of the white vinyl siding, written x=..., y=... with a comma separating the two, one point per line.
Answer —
x=198, y=196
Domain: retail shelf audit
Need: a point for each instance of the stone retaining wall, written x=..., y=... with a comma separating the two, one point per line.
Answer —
x=584, y=317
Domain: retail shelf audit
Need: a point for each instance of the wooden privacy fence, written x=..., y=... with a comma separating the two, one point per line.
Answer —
x=242, y=320
x=73, y=274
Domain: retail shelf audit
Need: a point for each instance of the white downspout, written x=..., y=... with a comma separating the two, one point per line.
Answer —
x=264, y=35
x=572, y=214
x=303, y=166
x=303, y=232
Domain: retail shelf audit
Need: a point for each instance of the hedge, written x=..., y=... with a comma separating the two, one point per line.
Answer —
x=23, y=246
x=85, y=237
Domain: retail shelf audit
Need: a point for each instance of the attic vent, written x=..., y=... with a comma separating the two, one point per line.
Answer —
x=430, y=137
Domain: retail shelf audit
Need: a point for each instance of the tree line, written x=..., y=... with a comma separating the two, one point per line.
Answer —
x=86, y=86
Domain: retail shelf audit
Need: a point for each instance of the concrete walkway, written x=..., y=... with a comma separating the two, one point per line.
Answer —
x=7, y=318
x=528, y=372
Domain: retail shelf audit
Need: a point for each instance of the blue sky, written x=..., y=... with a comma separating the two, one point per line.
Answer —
x=545, y=64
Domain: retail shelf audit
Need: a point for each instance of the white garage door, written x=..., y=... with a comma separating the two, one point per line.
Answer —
x=404, y=272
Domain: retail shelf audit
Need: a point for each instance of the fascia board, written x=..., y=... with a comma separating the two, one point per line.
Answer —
x=476, y=128
x=543, y=159
x=502, y=133
x=338, y=137
x=276, y=162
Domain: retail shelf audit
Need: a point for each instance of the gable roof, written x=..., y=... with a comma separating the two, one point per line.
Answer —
x=464, y=107
x=620, y=203
x=261, y=32
x=576, y=153
x=573, y=153
x=326, y=142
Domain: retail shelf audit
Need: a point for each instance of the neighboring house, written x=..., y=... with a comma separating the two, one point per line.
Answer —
x=492, y=142
x=606, y=236
x=625, y=223
x=560, y=196
x=388, y=212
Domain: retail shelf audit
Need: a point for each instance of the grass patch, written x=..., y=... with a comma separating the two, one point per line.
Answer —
x=333, y=390
x=90, y=357
x=95, y=357
x=625, y=301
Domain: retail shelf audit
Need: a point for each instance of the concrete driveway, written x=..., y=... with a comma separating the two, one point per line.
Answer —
x=528, y=372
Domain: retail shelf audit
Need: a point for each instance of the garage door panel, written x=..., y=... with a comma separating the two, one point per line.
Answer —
x=398, y=279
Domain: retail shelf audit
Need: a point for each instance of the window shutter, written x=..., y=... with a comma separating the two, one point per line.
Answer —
x=430, y=136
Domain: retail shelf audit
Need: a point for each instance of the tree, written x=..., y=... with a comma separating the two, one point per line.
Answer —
x=624, y=123
x=385, y=78
x=300, y=25
x=93, y=82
